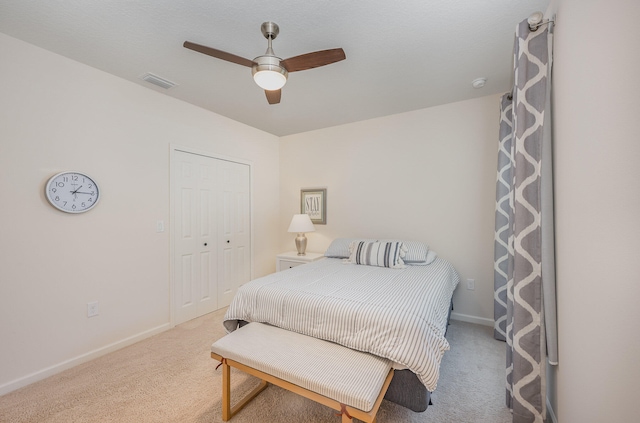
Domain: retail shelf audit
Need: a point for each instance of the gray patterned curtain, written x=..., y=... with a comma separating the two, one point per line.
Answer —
x=503, y=217
x=524, y=268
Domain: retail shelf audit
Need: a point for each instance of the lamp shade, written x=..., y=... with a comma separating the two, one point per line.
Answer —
x=301, y=223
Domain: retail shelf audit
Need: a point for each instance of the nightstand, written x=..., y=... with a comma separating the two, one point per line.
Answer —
x=292, y=259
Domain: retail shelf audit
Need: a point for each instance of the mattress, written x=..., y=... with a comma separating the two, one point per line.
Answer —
x=397, y=314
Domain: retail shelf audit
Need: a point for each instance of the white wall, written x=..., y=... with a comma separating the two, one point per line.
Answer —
x=597, y=165
x=56, y=114
x=424, y=175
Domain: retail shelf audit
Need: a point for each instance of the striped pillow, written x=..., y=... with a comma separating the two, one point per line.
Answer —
x=381, y=254
x=417, y=251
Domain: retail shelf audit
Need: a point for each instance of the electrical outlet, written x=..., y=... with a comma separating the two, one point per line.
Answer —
x=471, y=284
x=92, y=309
x=160, y=226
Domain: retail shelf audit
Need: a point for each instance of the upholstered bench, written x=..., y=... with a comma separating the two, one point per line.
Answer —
x=349, y=381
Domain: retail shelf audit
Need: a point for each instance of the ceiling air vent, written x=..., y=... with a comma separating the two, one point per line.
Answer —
x=156, y=80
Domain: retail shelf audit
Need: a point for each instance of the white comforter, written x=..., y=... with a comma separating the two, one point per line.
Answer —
x=399, y=314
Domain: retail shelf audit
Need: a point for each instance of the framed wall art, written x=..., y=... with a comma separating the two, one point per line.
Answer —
x=314, y=203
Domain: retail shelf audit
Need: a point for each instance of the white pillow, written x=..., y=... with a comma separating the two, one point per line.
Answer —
x=431, y=256
x=339, y=247
x=381, y=254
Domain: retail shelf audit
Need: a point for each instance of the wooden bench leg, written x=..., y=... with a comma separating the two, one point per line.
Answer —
x=227, y=411
x=226, y=392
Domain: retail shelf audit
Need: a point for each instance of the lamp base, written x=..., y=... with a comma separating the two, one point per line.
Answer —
x=301, y=244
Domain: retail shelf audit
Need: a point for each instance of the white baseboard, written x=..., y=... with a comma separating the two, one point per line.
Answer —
x=472, y=319
x=67, y=364
x=550, y=414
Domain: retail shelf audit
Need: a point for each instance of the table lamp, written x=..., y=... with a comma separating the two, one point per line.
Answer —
x=300, y=224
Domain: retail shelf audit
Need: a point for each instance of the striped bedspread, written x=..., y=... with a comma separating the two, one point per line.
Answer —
x=398, y=314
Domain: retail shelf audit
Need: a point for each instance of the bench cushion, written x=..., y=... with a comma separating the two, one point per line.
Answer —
x=350, y=377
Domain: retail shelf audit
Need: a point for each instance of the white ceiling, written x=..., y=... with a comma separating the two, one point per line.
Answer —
x=401, y=55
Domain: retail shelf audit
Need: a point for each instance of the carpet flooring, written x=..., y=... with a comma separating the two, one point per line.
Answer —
x=171, y=377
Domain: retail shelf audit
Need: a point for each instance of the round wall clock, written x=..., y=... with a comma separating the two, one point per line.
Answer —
x=72, y=192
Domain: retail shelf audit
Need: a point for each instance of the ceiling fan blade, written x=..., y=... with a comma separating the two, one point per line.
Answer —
x=313, y=60
x=218, y=54
x=273, y=97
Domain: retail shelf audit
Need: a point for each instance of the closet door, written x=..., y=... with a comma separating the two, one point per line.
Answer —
x=234, y=252
x=211, y=233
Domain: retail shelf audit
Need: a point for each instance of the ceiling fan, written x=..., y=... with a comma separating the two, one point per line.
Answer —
x=269, y=71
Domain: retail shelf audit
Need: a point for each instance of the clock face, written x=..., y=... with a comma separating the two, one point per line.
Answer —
x=72, y=192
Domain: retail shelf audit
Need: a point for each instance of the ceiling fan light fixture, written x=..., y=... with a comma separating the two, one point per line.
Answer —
x=270, y=79
x=268, y=73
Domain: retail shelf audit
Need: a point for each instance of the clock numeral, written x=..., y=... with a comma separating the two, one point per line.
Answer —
x=60, y=184
x=83, y=205
x=54, y=190
x=64, y=203
x=74, y=177
x=90, y=186
x=57, y=198
x=91, y=199
x=73, y=207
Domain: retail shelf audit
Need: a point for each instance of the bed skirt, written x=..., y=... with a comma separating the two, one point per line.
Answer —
x=407, y=390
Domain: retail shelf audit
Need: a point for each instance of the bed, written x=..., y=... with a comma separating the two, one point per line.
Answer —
x=388, y=298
